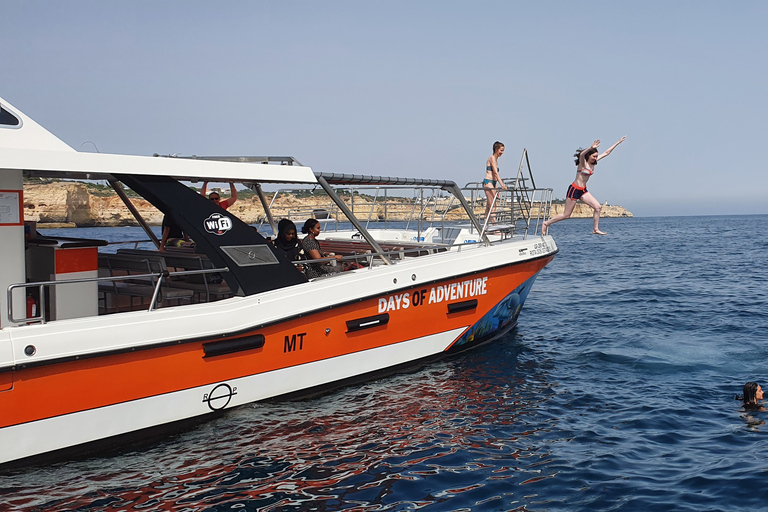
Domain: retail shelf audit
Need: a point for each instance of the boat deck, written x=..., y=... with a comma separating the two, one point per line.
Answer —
x=140, y=279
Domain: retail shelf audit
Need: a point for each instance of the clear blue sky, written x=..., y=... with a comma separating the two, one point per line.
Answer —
x=415, y=88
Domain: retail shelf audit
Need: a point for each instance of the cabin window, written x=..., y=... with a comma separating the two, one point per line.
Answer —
x=8, y=119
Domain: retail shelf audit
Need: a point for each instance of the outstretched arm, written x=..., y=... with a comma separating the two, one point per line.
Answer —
x=204, y=190
x=608, y=151
x=581, y=155
x=232, y=193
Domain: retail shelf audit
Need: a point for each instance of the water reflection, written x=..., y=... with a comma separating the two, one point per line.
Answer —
x=466, y=430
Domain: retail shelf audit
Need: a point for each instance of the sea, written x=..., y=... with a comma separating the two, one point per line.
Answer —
x=616, y=391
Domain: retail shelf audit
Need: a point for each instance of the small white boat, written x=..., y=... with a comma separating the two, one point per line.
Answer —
x=97, y=346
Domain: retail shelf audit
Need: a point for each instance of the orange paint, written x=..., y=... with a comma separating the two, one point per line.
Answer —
x=6, y=381
x=81, y=259
x=46, y=391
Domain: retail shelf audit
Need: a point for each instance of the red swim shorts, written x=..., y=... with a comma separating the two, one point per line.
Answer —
x=575, y=192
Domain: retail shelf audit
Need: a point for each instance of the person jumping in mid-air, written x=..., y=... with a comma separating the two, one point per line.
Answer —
x=586, y=160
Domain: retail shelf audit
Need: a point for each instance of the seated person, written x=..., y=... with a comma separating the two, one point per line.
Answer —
x=173, y=235
x=286, y=243
x=214, y=196
x=312, y=249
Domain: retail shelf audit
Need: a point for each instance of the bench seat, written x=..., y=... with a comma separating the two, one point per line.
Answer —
x=147, y=270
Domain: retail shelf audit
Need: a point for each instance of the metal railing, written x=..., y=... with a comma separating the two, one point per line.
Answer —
x=520, y=208
x=517, y=205
x=368, y=258
x=517, y=211
x=41, y=285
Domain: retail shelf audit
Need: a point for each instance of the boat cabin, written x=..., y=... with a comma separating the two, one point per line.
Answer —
x=54, y=278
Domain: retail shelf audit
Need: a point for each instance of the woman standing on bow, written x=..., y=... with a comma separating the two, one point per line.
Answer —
x=492, y=180
x=586, y=160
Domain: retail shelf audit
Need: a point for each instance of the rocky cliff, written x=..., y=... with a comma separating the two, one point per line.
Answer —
x=71, y=204
x=582, y=211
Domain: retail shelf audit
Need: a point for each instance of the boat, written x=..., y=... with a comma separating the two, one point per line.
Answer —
x=100, y=344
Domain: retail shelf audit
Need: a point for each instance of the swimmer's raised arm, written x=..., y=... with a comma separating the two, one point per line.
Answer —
x=581, y=154
x=608, y=151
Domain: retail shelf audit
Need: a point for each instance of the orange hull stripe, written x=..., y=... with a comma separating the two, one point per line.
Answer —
x=67, y=387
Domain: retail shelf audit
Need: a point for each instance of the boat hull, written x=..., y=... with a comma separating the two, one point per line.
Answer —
x=71, y=400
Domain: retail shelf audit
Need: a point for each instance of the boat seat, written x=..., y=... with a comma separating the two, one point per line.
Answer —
x=496, y=228
x=201, y=283
x=142, y=286
x=206, y=286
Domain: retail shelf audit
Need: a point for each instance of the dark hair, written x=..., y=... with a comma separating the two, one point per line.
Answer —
x=497, y=145
x=308, y=225
x=587, y=154
x=750, y=389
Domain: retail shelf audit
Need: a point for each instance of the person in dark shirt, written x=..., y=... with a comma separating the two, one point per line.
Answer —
x=172, y=235
x=287, y=245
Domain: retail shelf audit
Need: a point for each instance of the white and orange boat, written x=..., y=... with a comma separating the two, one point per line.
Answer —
x=98, y=345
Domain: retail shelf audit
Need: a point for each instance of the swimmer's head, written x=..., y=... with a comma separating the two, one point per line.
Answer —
x=496, y=146
x=752, y=393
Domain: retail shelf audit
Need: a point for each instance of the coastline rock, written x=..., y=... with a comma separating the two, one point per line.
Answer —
x=583, y=211
x=70, y=203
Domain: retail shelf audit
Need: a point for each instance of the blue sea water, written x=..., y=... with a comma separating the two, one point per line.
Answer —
x=615, y=392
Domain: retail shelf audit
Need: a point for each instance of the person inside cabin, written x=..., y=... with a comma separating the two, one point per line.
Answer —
x=752, y=393
x=216, y=198
x=172, y=236
x=311, y=246
x=286, y=243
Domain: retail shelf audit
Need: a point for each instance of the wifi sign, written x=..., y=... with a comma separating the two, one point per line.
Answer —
x=217, y=224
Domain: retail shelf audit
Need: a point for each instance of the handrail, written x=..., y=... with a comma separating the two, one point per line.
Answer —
x=420, y=209
x=41, y=284
x=431, y=248
x=406, y=200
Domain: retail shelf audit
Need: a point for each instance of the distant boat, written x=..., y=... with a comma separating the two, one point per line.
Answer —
x=97, y=346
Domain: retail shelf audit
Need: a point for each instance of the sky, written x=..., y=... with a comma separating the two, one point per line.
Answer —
x=415, y=88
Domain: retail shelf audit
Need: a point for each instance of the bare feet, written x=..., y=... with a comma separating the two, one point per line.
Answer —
x=598, y=232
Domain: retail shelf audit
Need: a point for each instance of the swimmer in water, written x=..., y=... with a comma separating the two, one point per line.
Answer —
x=492, y=180
x=586, y=160
x=752, y=393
